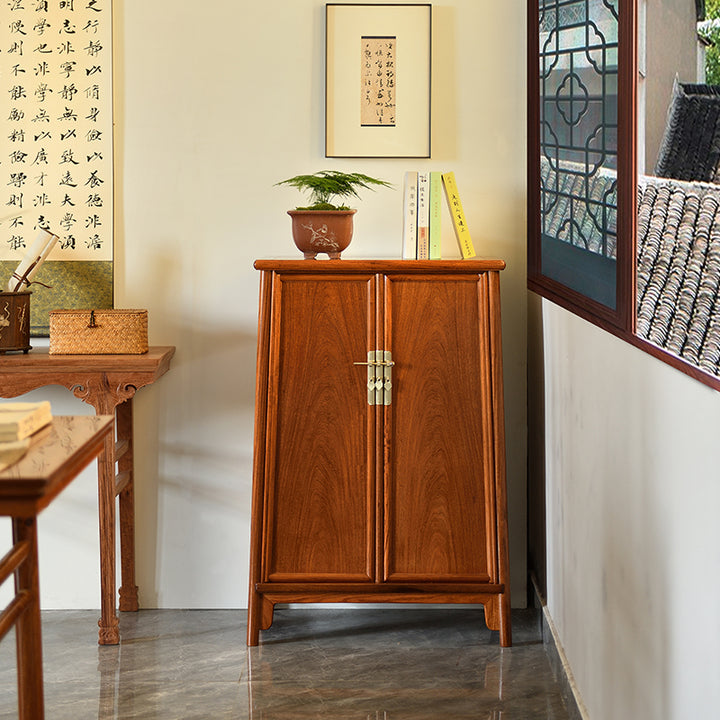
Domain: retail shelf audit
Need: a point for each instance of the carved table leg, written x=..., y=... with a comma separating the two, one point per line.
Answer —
x=106, y=396
x=128, y=588
x=109, y=633
x=28, y=637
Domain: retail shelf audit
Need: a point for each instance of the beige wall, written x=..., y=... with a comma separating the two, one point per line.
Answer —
x=633, y=541
x=216, y=102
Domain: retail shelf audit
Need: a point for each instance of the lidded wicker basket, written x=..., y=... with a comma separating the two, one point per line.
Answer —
x=98, y=332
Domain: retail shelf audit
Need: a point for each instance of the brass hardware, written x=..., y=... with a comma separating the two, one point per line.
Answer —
x=376, y=362
x=379, y=377
x=92, y=323
x=387, y=364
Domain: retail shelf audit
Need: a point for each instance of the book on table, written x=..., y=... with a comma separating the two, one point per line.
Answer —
x=410, y=215
x=11, y=452
x=19, y=420
x=423, y=216
x=435, y=235
x=462, y=233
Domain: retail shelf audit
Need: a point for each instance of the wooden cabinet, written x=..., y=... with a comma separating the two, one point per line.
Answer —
x=379, y=471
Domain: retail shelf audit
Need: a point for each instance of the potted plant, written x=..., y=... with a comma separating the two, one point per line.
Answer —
x=324, y=226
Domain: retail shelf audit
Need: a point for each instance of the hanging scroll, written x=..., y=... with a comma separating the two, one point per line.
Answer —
x=377, y=79
x=56, y=170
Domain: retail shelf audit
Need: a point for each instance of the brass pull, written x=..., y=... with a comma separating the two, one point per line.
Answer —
x=379, y=381
x=377, y=362
x=92, y=323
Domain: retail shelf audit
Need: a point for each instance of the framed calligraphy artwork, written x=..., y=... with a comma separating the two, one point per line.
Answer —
x=377, y=80
x=56, y=165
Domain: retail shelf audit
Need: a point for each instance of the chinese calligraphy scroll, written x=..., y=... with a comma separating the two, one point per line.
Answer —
x=56, y=168
x=377, y=72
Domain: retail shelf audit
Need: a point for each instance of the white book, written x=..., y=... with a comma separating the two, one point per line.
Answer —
x=410, y=216
x=423, y=231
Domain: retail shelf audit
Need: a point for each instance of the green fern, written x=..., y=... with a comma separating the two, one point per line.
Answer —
x=327, y=187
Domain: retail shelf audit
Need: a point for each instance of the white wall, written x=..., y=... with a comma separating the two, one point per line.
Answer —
x=216, y=102
x=633, y=538
x=672, y=52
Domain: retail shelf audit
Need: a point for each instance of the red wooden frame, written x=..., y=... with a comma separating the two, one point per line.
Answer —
x=620, y=322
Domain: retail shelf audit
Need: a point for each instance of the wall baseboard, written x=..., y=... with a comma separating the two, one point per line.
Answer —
x=558, y=661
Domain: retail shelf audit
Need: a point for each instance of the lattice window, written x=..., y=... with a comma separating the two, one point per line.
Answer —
x=578, y=135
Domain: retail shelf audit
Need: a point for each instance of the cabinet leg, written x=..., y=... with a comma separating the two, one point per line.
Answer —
x=505, y=620
x=497, y=617
x=109, y=633
x=126, y=508
x=490, y=607
x=27, y=634
x=260, y=617
x=267, y=612
x=253, y=619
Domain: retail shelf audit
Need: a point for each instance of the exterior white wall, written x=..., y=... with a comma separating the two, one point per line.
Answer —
x=215, y=102
x=672, y=51
x=633, y=540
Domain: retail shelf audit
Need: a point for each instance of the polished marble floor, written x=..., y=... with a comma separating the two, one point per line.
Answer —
x=339, y=664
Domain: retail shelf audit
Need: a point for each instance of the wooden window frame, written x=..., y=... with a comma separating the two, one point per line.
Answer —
x=621, y=321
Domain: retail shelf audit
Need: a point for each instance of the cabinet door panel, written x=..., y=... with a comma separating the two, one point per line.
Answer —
x=438, y=483
x=320, y=481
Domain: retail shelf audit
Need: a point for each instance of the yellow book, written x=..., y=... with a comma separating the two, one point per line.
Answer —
x=19, y=420
x=462, y=232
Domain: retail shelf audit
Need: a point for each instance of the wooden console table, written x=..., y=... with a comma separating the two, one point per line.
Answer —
x=56, y=455
x=108, y=383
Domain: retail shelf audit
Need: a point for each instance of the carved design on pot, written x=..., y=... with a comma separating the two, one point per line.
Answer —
x=322, y=231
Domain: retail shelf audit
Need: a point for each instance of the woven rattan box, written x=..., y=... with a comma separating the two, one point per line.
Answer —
x=98, y=332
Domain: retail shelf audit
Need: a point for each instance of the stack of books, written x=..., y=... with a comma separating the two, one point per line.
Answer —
x=422, y=215
x=18, y=421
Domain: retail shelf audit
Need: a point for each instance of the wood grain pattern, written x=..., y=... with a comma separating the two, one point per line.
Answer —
x=125, y=491
x=320, y=522
x=435, y=468
x=368, y=503
x=56, y=454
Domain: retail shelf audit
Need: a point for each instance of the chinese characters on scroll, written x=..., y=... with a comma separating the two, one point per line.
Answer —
x=378, y=64
x=56, y=117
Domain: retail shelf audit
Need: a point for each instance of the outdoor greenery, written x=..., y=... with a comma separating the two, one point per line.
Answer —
x=710, y=29
x=327, y=187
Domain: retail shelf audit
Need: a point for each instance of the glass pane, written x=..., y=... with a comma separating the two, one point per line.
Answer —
x=578, y=142
x=678, y=229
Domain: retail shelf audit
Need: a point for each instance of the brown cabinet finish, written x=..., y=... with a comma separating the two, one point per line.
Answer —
x=401, y=501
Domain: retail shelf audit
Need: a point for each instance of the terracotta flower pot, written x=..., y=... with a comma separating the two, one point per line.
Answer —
x=322, y=231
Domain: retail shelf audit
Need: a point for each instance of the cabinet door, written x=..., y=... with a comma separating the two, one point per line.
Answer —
x=320, y=471
x=439, y=481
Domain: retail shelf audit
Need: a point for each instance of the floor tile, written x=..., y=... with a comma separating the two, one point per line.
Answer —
x=354, y=664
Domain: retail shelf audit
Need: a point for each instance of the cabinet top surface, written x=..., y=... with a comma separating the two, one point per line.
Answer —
x=156, y=360
x=381, y=266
